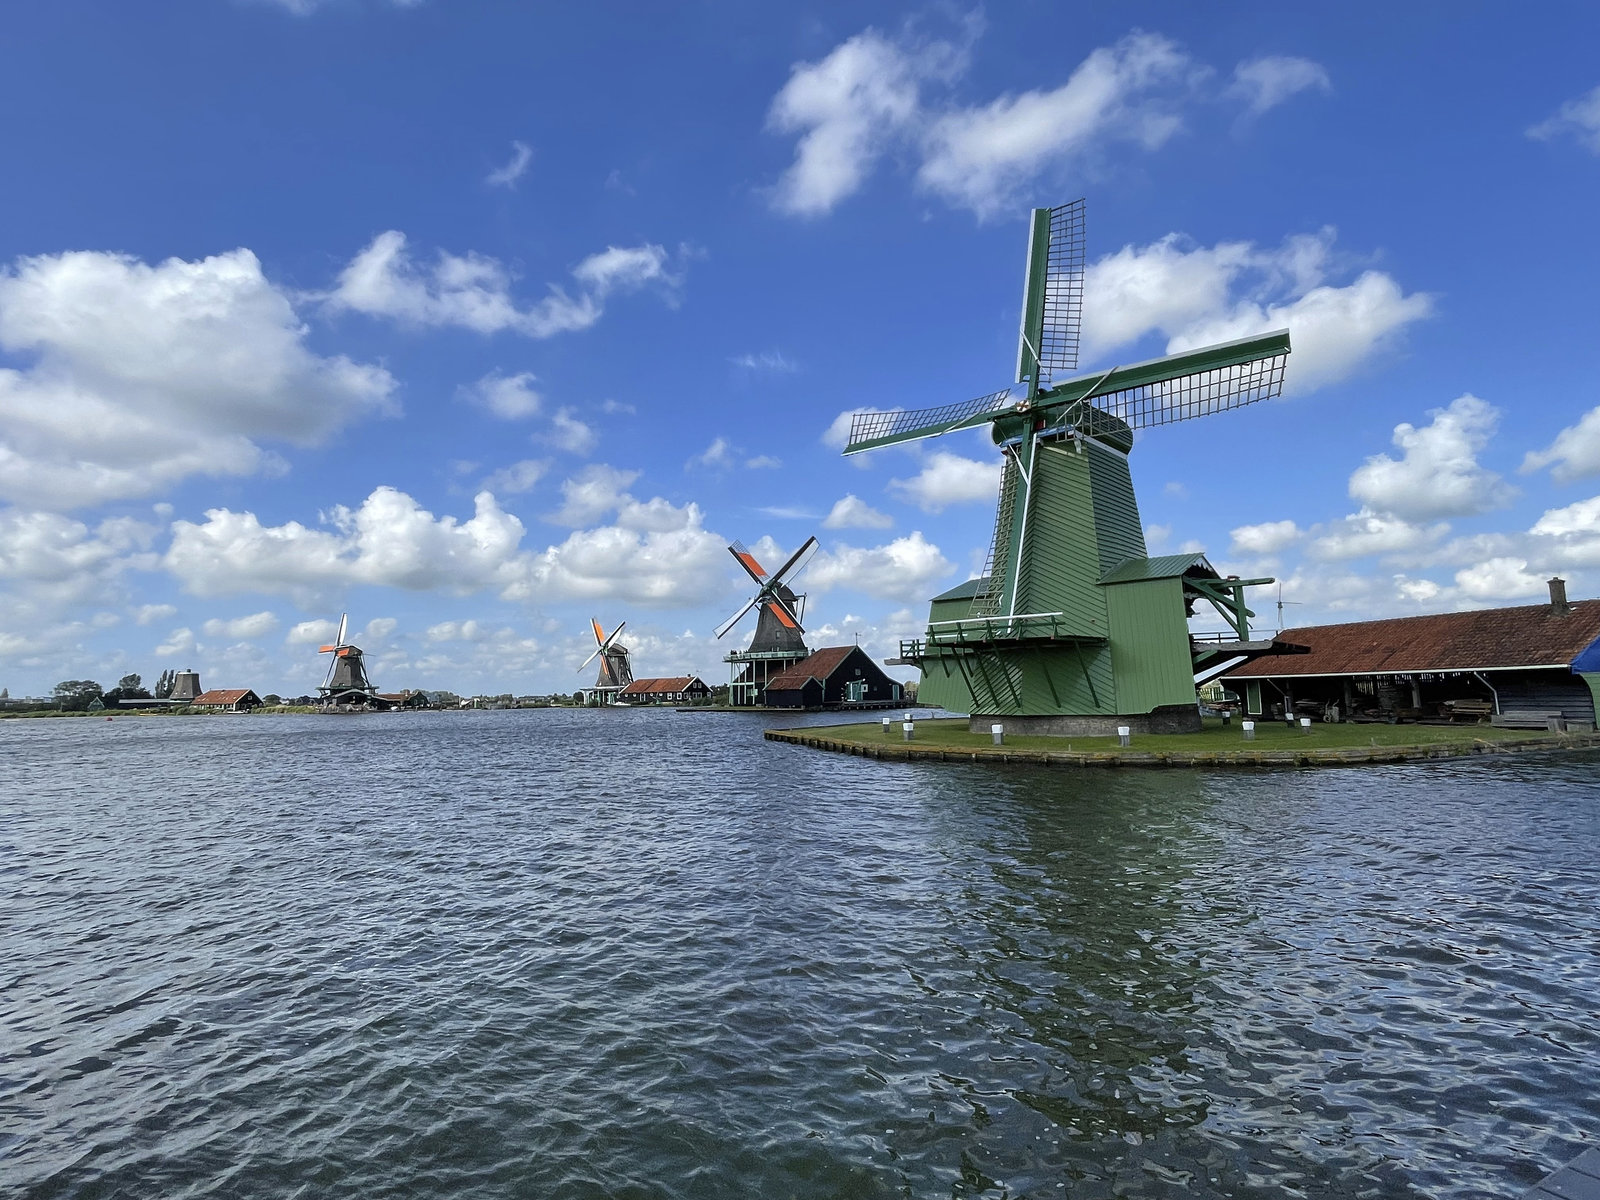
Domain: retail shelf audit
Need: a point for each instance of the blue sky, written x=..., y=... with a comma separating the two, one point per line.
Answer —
x=479, y=319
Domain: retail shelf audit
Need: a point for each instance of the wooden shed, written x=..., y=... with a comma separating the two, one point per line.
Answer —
x=1522, y=666
x=227, y=700
x=833, y=677
x=672, y=689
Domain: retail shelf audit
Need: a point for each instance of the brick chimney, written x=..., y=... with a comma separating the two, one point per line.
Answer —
x=1558, y=596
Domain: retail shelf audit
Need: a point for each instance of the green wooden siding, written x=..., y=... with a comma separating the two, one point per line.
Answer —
x=1015, y=682
x=943, y=684
x=1061, y=563
x=1116, y=512
x=1150, y=643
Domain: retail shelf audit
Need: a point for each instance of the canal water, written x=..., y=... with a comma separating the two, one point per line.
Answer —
x=639, y=954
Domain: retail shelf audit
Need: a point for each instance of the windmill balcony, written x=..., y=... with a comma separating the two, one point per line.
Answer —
x=760, y=655
x=987, y=631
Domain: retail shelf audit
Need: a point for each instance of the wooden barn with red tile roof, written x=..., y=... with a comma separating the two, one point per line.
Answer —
x=672, y=689
x=227, y=700
x=833, y=677
x=1517, y=666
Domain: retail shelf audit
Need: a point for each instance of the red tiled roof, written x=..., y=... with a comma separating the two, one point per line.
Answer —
x=1529, y=636
x=650, y=687
x=222, y=696
x=818, y=666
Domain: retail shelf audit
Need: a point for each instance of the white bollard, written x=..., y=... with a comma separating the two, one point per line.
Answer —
x=1124, y=735
x=1249, y=728
x=998, y=732
x=886, y=722
x=907, y=728
x=1305, y=724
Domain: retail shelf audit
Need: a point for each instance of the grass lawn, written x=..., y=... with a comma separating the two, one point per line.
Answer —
x=1270, y=735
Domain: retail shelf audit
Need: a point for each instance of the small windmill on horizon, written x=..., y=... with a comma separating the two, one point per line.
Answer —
x=1072, y=627
x=346, y=684
x=779, y=640
x=616, y=667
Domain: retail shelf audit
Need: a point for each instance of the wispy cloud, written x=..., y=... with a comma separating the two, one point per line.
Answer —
x=507, y=176
x=767, y=360
x=1578, y=118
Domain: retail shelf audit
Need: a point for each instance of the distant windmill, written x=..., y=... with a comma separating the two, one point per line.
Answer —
x=347, y=681
x=1281, y=603
x=616, y=671
x=779, y=640
x=1071, y=626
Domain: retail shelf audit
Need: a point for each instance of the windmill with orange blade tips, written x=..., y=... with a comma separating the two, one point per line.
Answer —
x=779, y=640
x=616, y=670
x=346, y=683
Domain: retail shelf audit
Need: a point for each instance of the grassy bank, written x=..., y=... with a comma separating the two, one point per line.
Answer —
x=1270, y=735
x=119, y=713
x=1215, y=745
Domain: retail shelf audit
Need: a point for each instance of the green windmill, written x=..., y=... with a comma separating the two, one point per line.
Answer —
x=1072, y=628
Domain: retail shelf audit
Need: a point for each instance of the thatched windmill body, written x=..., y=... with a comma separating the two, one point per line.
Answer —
x=616, y=667
x=1072, y=628
x=779, y=640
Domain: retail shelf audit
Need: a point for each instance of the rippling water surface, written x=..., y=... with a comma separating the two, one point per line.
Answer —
x=637, y=954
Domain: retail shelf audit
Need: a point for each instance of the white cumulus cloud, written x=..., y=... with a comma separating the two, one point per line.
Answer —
x=979, y=157
x=474, y=291
x=867, y=98
x=847, y=109
x=390, y=541
x=256, y=625
x=906, y=569
x=144, y=375
x=1439, y=474
x=1269, y=537
x=1499, y=579
x=1266, y=82
x=1197, y=295
x=851, y=512
x=947, y=479
x=510, y=397
x=1574, y=453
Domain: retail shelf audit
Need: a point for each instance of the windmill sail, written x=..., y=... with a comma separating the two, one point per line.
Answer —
x=1182, y=386
x=1071, y=624
x=1052, y=299
x=869, y=430
x=778, y=626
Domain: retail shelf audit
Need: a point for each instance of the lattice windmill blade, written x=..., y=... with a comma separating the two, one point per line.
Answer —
x=1183, y=386
x=797, y=562
x=602, y=643
x=748, y=561
x=338, y=639
x=1052, y=297
x=734, y=620
x=869, y=430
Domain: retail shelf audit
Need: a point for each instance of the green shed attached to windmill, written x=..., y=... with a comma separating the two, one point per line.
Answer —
x=1072, y=628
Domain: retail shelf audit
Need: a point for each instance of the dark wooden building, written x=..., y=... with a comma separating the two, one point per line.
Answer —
x=673, y=689
x=1518, y=666
x=227, y=700
x=833, y=677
